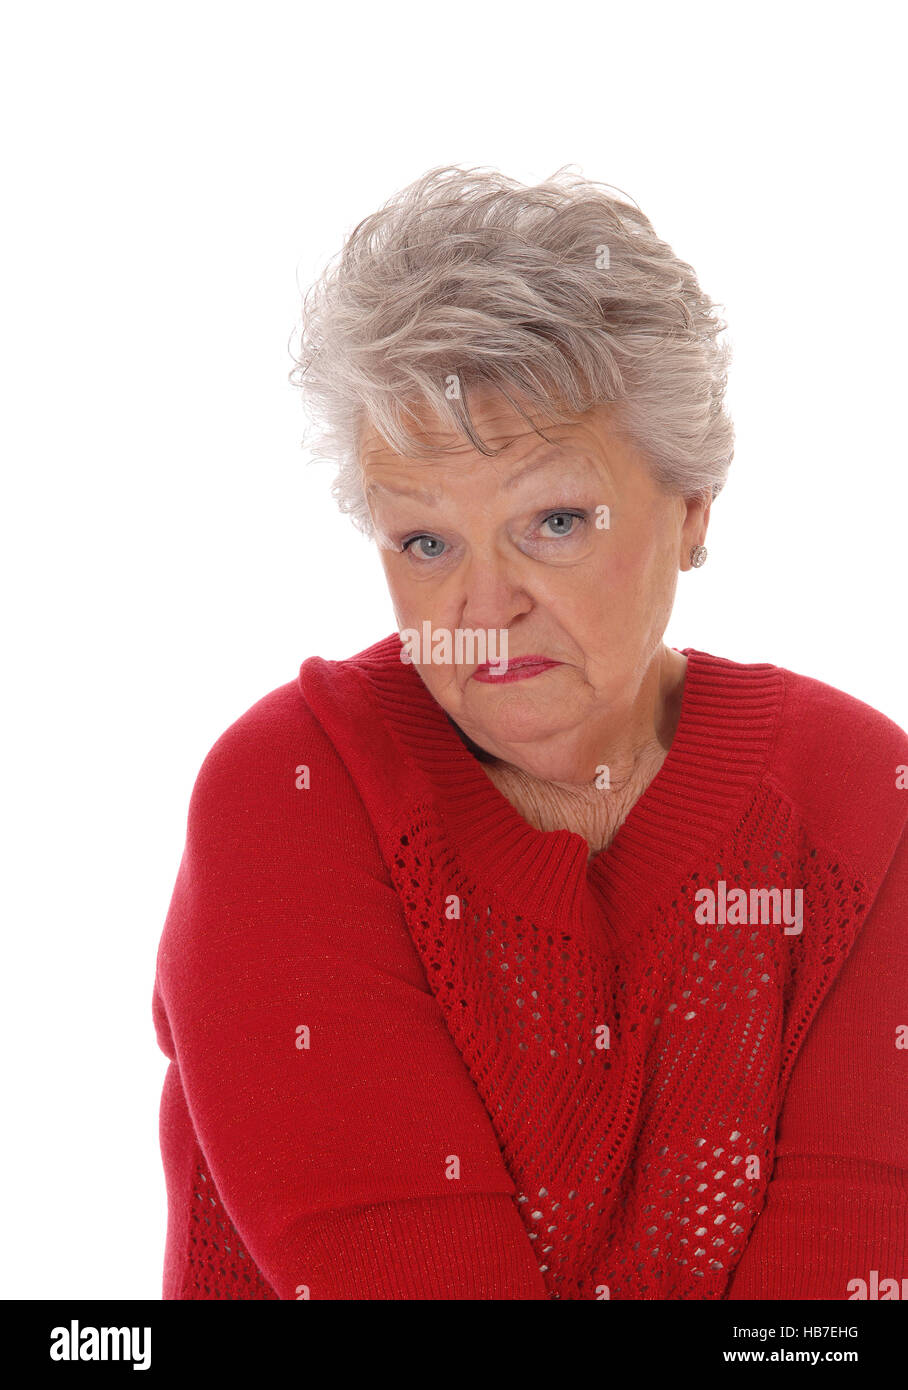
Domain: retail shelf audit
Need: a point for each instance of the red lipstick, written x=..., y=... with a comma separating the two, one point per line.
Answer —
x=519, y=668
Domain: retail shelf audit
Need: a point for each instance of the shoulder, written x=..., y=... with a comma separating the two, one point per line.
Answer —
x=312, y=712
x=838, y=745
x=842, y=764
x=272, y=778
x=830, y=718
x=261, y=747
x=838, y=760
x=311, y=757
x=823, y=714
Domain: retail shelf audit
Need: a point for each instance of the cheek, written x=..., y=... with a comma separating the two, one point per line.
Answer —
x=609, y=581
x=412, y=609
x=415, y=601
x=405, y=598
x=640, y=563
x=614, y=599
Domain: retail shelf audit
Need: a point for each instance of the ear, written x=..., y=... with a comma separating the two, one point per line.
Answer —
x=695, y=525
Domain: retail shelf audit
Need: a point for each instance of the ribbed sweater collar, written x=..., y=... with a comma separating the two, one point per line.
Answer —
x=721, y=747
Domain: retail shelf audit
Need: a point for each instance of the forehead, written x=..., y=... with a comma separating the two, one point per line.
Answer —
x=424, y=479
x=497, y=420
x=576, y=448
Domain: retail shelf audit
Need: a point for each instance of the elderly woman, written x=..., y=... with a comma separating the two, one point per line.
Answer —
x=520, y=955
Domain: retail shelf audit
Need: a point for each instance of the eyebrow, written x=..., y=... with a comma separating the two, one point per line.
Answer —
x=430, y=496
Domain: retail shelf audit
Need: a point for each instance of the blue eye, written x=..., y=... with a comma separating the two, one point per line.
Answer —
x=564, y=516
x=433, y=540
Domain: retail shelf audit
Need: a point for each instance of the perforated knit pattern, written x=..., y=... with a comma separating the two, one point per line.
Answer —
x=217, y=1266
x=632, y=1162
x=462, y=972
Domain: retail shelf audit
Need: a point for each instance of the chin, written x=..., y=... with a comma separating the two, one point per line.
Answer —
x=509, y=720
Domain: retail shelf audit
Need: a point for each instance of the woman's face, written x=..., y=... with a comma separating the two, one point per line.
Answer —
x=570, y=548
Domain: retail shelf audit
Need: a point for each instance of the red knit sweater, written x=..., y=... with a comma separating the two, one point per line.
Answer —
x=422, y=1050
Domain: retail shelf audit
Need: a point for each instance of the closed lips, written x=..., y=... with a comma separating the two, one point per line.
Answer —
x=516, y=663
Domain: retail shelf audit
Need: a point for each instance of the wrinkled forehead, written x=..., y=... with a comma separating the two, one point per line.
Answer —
x=425, y=482
x=584, y=449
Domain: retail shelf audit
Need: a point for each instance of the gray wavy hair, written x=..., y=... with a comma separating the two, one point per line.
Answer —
x=558, y=291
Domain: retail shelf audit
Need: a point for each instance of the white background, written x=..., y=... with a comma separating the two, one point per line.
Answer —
x=173, y=176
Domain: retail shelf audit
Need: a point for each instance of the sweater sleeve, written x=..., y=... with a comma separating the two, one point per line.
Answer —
x=344, y=1134
x=837, y=1204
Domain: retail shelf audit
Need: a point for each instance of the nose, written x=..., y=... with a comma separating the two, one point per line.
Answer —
x=494, y=595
